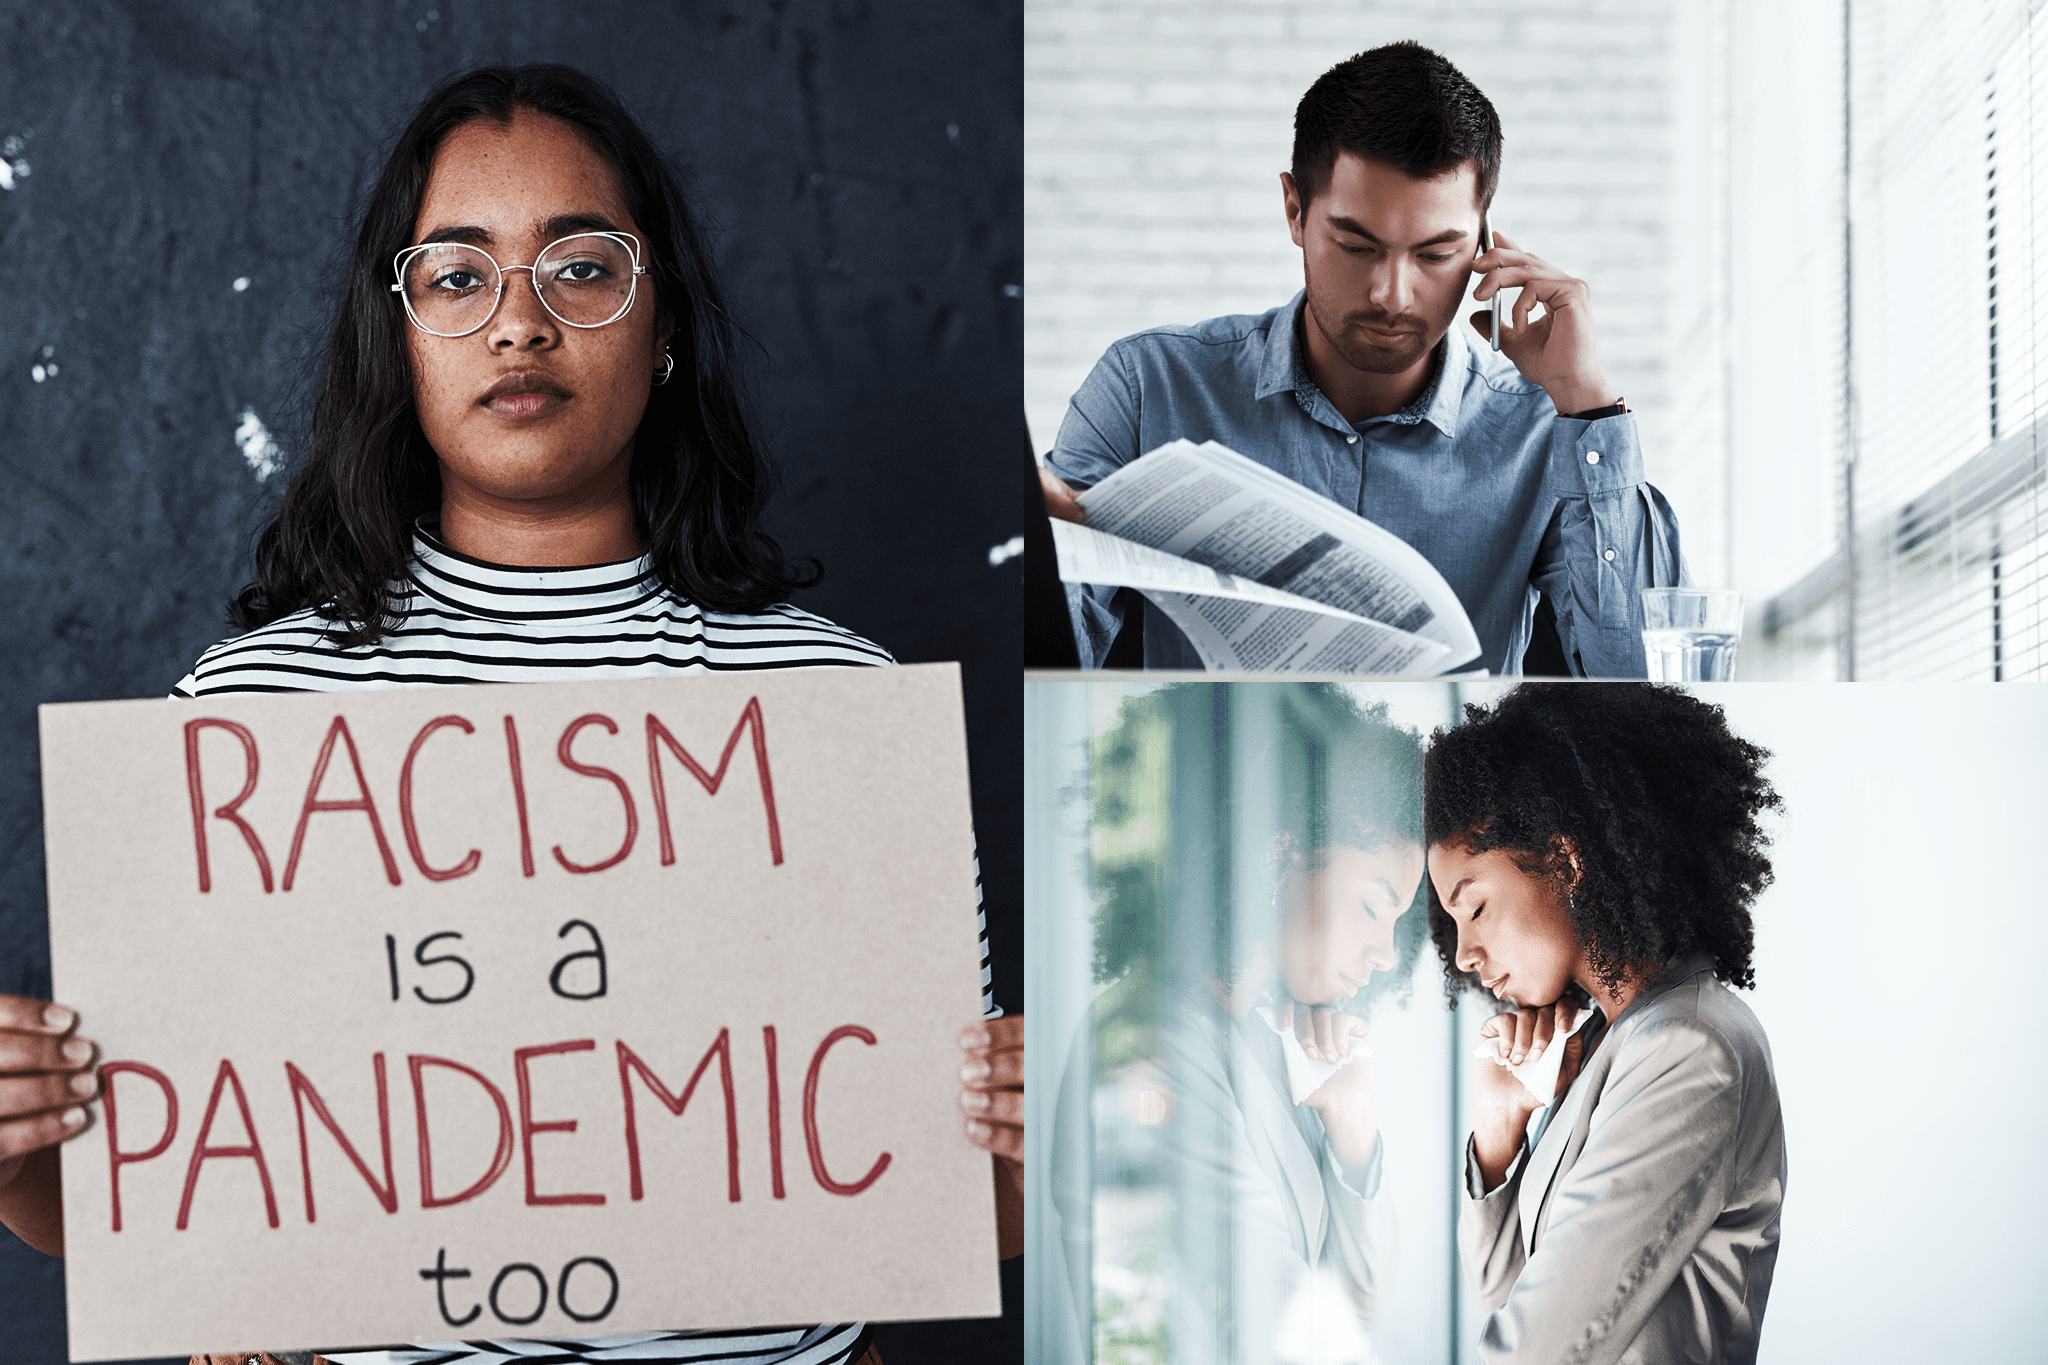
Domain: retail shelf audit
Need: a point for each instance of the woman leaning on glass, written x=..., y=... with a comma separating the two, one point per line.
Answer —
x=529, y=460
x=1598, y=846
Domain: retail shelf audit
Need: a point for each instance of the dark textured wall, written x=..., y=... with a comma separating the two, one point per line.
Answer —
x=862, y=164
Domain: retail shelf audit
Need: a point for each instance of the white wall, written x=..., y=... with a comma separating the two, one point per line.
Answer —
x=1898, y=963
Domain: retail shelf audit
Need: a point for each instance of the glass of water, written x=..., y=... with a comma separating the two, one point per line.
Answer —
x=1690, y=634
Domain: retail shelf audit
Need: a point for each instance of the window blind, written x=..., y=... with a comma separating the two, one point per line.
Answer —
x=1939, y=568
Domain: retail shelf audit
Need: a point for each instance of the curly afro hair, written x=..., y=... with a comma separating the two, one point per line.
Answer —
x=1657, y=799
x=1175, y=790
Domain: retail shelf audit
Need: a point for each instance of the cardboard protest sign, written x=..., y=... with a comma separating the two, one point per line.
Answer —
x=515, y=1011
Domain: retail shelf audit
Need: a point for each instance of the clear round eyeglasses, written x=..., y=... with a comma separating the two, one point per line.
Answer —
x=585, y=280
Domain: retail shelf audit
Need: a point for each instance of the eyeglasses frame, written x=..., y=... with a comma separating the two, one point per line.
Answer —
x=626, y=239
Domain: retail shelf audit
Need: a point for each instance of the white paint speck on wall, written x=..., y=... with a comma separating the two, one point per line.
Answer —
x=258, y=448
x=13, y=165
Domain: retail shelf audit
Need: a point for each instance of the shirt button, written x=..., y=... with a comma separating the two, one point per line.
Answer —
x=1592, y=457
x=1609, y=556
x=1350, y=440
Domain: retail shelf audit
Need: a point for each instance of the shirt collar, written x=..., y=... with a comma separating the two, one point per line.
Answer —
x=1442, y=397
x=1281, y=372
x=1437, y=404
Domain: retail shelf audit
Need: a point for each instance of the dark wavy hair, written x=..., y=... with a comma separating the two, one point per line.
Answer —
x=1170, y=803
x=1656, y=796
x=342, y=537
x=1403, y=106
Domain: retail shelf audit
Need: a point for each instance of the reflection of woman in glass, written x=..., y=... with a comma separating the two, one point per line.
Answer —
x=1227, y=1181
x=1600, y=843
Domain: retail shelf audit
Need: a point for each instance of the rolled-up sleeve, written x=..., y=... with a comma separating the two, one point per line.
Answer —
x=1098, y=436
x=1623, y=1220
x=1612, y=534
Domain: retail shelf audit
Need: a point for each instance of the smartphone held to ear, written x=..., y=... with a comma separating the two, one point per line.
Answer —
x=1486, y=245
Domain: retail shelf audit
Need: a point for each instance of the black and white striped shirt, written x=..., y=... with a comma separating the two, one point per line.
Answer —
x=465, y=621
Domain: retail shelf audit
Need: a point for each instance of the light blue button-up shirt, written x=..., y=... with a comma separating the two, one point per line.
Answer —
x=1479, y=473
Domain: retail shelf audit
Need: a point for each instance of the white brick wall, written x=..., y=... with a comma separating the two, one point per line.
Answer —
x=1155, y=132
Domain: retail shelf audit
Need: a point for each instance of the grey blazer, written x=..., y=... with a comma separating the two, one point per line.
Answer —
x=1643, y=1226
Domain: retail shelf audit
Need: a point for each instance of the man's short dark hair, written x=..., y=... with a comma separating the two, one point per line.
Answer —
x=1402, y=106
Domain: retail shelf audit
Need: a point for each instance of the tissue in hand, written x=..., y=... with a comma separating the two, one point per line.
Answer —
x=1538, y=1074
x=1306, y=1074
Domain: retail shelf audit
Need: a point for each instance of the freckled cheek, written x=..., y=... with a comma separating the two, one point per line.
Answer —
x=436, y=395
x=441, y=413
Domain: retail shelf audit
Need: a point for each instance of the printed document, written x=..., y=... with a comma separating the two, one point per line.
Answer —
x=1262, y=575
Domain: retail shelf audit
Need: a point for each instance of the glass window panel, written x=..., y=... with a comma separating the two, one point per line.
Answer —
x=1205, y=860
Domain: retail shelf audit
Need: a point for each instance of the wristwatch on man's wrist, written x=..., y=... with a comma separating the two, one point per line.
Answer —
x=1614, y=409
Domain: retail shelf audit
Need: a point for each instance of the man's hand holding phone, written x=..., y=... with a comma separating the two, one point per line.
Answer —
x=1556, y=350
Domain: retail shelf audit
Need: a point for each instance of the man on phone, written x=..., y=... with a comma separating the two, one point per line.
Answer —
x=1514, y=469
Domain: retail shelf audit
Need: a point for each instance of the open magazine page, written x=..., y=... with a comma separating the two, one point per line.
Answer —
x=1240, y=625
x=1210, y=505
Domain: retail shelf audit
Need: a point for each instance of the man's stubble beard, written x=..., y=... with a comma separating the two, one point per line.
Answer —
x=1362, y=355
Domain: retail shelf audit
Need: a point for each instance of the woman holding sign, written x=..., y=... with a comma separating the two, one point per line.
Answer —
x=529, y=461
x=1601, y=844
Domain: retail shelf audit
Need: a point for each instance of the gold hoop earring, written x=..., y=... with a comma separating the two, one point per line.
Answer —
x=668, y=367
